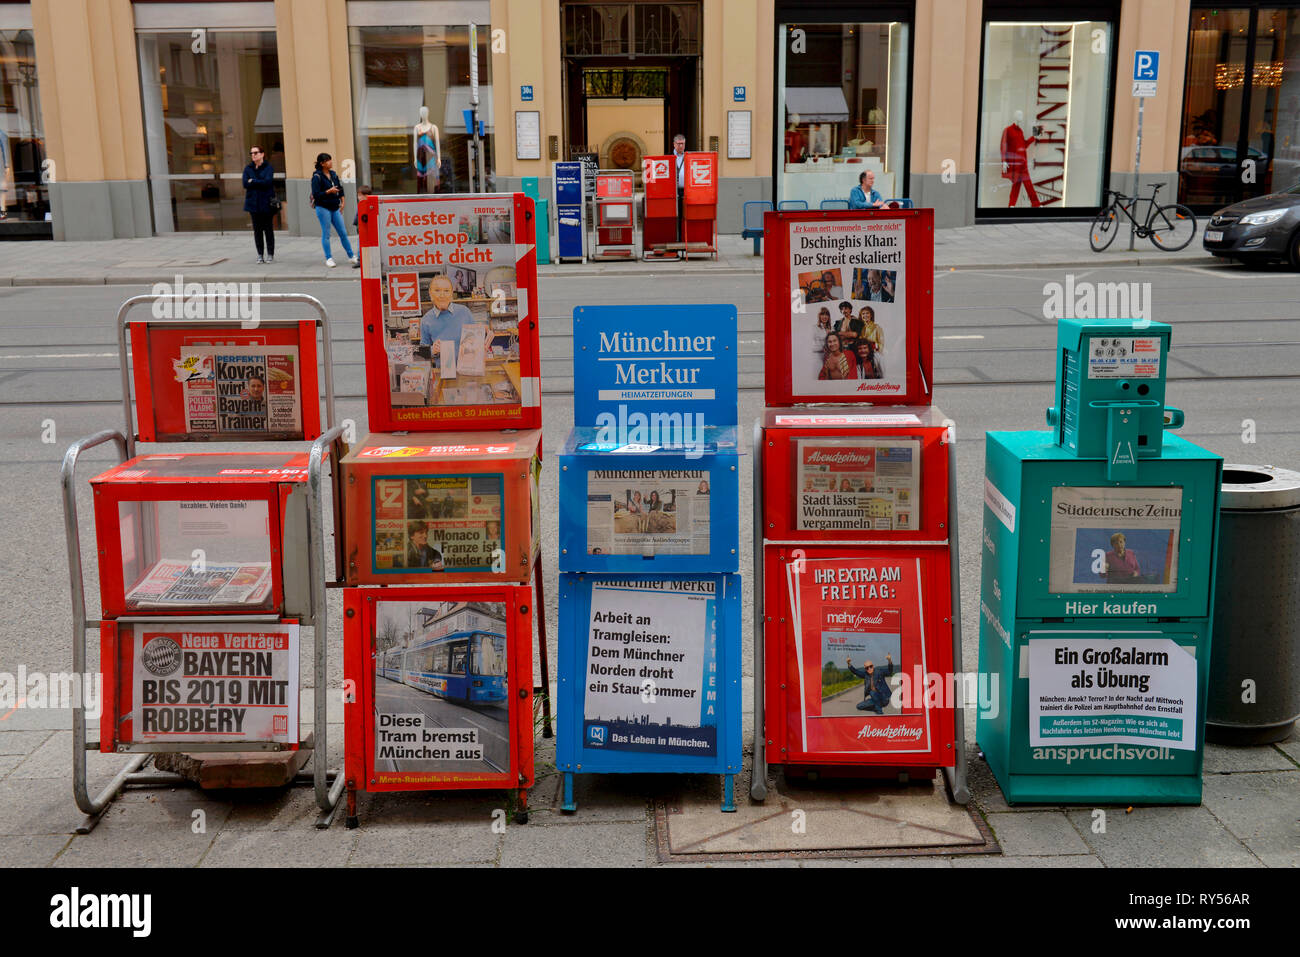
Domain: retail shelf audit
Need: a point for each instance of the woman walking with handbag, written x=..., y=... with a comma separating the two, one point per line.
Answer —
x=260, y=202
x=327, y=197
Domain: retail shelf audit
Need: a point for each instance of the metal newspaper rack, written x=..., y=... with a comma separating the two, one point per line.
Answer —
x=328, y=785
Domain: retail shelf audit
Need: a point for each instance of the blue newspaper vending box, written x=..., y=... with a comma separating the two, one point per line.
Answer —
x=649, y=546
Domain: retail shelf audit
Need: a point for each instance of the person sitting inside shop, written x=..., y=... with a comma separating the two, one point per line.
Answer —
x=875, y=684
x=864, y=195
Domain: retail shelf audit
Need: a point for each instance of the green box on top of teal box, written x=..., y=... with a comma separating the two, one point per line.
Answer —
x=1110, y=390
x=1095, y=609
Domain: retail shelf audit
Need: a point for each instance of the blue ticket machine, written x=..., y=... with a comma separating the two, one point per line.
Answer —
x=1097, y=583
x=570, y=212
x=649, y=547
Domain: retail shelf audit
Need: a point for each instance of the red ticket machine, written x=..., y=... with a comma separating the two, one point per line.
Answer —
x=700, y=204
x=659, y=226
x=441, y=683
x=615, y=215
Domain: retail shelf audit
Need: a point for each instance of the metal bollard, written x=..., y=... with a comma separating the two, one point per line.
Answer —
x=1254, y=694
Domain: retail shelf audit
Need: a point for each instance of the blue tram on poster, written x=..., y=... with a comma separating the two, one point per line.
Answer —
x=465, y=666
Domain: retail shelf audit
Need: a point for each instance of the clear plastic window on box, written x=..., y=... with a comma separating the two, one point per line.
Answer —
x=196, y=553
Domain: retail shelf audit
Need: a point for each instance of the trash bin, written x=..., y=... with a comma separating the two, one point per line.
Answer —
x=1254, y=694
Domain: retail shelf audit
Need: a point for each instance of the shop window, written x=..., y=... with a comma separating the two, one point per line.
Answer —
x=396, y=71
x=842, y=100
x=23, y=191
x=1045, y=115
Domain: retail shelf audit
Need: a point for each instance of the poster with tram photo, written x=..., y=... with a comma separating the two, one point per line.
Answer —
x=441, y=694
x=848, y=302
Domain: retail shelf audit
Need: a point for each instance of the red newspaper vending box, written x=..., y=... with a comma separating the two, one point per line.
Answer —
x=442, y=690
x=858, y=629
x=455, y=506
x=203, y=533
x=659, y=226
x=449, y=301
x=700, y=204
x=226, y=383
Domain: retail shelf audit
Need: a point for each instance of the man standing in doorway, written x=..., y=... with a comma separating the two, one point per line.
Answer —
x=679, y=168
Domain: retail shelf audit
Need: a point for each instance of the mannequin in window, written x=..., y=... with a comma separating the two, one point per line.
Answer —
x=1015, y=160
x=428, y=154
x=794, y=141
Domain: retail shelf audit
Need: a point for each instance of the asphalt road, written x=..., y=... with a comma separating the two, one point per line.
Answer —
x=1233, y=370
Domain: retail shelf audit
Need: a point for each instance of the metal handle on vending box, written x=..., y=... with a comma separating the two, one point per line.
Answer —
x=326, y=797
x=1173, y=417
x=67, y=476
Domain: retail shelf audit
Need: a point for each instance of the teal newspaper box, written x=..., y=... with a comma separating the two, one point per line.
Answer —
x=1097, y=585
x=649, y=547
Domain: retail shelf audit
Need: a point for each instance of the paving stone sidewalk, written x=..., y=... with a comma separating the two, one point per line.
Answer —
x=231, y=257
x=1250, y=817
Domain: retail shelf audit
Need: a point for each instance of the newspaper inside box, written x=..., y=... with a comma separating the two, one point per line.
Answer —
x=180, y=685
x=202, y=532
x=432, y=507
x=623, y=505
x=847, y=473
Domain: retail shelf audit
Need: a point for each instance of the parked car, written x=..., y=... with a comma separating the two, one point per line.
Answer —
x=1207, y=173
x=1257, y=229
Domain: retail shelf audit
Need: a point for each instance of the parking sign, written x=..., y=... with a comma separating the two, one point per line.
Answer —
x=1146, y=65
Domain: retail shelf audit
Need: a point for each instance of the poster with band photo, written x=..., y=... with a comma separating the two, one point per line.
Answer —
x=848, y=308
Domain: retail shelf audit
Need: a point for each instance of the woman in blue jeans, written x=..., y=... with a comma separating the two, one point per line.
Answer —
x=327, y=197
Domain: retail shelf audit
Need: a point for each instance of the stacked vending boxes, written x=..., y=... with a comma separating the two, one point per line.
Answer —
x=649, y=540
x=856, y=643
x=204, y=565
x=1098, y=583
x=441, y=509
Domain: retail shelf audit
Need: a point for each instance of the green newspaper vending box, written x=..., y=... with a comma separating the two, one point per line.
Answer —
x=1097, y=585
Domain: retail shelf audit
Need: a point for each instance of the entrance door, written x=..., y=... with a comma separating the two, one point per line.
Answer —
x=631, y=78
x=1241, y=106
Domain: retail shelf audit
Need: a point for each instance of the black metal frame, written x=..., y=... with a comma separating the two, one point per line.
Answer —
x=840, y=11
x=1104, y=10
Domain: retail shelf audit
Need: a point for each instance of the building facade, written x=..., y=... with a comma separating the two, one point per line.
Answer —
x=125, y=118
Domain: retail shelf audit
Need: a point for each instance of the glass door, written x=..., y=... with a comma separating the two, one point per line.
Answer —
x=842, y=95
x=206, y=100
x=1241, y=106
